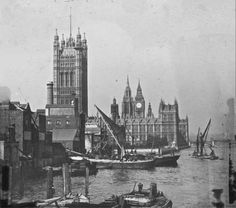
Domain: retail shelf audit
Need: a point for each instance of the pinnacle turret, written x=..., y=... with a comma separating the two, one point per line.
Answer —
x=139, y=94
x=56, y=39
x=78, y=38
x=63, y=41
x=127, y=90
x=127, y=80
x=84, y=42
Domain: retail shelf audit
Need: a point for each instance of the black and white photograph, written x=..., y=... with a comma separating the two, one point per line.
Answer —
x=117, y=104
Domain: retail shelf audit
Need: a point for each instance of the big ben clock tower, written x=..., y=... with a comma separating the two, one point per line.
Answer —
x=139, y=104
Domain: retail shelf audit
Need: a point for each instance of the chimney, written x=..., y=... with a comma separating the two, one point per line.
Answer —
x=50, y=93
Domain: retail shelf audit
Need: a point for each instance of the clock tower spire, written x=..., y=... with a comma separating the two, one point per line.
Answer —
x=139, y=103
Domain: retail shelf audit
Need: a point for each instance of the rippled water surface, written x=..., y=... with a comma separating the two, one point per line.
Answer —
x=188, y=185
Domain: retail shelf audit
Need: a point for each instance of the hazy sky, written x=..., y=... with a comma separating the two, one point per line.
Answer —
x=183, y=49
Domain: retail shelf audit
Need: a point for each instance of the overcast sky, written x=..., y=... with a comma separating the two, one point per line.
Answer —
x=183, y=49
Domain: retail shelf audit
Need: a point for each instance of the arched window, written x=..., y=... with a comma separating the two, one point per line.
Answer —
x=67, y=79
x=62, y=78
x=71, y=79
x=58, y=122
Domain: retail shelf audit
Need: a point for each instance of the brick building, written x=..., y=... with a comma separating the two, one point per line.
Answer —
x=33, y=142
x=9, y=148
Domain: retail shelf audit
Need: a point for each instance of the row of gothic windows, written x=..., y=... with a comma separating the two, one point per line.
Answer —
x=143, y=129
x=71, y=57
x=168, y=117
x=67, y=79
x=58, y=122
x=66, y=91
x=67, y=64
x=67, y=101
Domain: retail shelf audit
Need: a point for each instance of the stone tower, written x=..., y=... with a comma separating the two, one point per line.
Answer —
x=70, y=71
x=139, y=104
x=169, y=119
x=114, y=111
x=127, y=104
x=149, y=113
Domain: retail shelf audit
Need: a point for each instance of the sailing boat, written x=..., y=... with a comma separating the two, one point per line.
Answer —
x=200, y=144
x=124, y=161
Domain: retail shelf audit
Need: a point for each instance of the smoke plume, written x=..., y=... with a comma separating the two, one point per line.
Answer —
x=5, y=94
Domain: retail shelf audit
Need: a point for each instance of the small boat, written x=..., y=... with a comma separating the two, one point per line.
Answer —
x=145, y=198
x=66, y=201
x=208, y=157
x=79, y=164
x=201, y=140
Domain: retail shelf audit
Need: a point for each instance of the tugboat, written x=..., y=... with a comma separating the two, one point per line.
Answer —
x=201, y=140
x=144, y=198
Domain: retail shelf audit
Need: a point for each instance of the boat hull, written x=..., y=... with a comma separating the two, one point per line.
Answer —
x=206, y=157
x=167, y=160
x=117, y=164
x=146, y=164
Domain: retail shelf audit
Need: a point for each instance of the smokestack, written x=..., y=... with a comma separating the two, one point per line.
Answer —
x=50, y=93
x=230, y=118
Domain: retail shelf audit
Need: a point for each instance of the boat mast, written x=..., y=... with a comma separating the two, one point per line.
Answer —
x=207, y=131
x=197, y=143
x=201, y=144
x=204, y=135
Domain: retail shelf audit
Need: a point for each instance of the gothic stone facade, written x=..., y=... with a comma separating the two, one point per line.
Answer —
x=69, y=82
x=67, y=95
x=166, y=125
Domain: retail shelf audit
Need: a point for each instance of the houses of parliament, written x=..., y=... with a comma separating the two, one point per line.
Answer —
x=140, y=126
x=67, y=101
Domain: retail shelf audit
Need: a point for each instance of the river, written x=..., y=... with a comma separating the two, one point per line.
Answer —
x=187, y=185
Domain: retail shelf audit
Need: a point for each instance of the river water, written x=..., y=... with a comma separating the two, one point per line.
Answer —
x=187, y=185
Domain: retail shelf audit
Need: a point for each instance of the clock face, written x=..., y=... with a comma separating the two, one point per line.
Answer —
x=138, y=105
